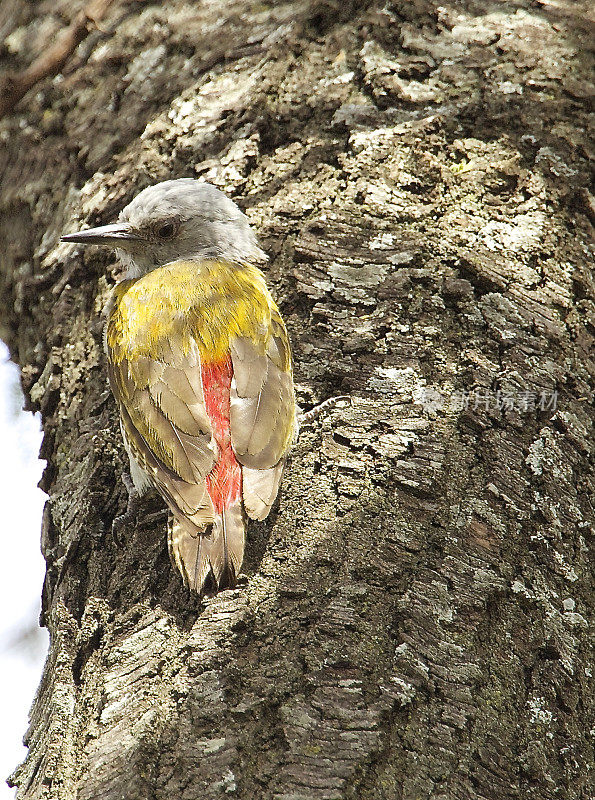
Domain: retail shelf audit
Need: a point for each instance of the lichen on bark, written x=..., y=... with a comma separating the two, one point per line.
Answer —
x=412, y=622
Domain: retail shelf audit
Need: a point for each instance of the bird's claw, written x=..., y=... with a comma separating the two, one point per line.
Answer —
x=323, y=408
x=128, y=517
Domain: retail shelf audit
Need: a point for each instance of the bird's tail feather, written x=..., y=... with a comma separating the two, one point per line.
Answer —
x=208, y=560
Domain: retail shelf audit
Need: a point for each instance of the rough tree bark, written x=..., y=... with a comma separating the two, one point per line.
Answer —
x=413, y=618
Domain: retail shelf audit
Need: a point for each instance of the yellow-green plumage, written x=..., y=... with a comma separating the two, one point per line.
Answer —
x=208, y=302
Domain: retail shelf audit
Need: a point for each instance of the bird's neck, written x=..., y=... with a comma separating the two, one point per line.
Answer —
x=138, y=263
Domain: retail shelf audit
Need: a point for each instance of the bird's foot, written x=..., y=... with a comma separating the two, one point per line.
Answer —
x=127, y=518
x=322, y=408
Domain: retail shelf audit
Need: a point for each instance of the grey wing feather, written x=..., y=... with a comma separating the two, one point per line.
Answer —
x=167, y=429
x=262, y=415
x=260, y=487
x=252, y=367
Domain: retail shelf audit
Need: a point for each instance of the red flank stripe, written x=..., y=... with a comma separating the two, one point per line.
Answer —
x=224, y=482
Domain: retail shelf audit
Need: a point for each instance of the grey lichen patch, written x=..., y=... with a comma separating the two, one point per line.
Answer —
x=79, y=357
x=142, y=69
x=538, y=714
x=536, y=456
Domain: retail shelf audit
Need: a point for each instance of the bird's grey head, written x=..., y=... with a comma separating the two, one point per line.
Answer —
x=173, y=220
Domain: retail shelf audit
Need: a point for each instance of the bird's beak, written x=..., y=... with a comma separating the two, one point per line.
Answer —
x=115, y=234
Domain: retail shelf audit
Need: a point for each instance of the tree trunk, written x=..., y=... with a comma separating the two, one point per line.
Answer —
x=412, y=621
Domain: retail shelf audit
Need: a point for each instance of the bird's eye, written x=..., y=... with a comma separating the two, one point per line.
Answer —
x=166, y=231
